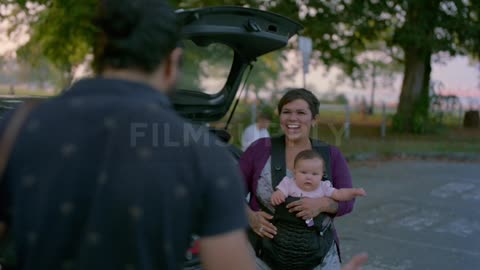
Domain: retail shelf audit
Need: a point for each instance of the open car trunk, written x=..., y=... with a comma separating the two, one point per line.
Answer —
x=233, y=38
x=247, y=33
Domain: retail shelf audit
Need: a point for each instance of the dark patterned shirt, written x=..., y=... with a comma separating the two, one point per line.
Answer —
x=107, y=176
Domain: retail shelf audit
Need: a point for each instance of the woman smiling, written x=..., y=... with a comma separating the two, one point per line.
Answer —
x=298, y=110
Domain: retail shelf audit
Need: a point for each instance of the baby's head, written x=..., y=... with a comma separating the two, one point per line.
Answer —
x=308, y=168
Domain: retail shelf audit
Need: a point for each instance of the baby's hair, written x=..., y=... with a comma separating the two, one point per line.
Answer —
x=307, y=154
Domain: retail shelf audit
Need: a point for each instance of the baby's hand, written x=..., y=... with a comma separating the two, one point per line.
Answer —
x=361, y=192
x=277, y=198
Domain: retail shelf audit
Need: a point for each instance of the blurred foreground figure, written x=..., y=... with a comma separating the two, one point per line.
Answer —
x=106, y=176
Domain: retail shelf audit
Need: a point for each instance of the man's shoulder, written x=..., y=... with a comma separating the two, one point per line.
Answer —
x=152, y=112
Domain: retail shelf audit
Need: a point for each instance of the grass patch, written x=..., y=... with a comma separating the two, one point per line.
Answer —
x=365, y=136
x=367, y=139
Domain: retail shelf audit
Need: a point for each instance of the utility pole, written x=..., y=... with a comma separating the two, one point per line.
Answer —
x=305, y=46
x=372, y=94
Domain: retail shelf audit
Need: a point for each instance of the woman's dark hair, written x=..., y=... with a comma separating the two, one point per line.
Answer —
x=134, y=34
x=303, y=94
x=307, y=154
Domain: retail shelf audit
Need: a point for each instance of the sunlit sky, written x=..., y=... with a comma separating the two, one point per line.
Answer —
x=458, y=75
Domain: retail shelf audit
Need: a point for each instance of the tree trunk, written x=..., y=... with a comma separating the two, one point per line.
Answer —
x=413, y=106
x=413, y=82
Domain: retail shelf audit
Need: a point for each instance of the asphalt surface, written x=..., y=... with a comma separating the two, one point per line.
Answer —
x=417, y=215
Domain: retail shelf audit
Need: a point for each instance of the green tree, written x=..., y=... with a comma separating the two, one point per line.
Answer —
x=59, y=30
x=413, y=30
x=376, y=69
x=431, y=27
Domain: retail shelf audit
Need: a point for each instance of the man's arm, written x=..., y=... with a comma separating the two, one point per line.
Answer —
x=226, y=251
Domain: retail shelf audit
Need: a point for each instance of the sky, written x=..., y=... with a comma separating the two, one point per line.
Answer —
x=459, y=76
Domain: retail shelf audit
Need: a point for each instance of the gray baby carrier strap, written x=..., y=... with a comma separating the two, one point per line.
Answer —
x=296, y=246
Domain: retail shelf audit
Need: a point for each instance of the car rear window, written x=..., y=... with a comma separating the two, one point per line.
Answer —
x=205, y=68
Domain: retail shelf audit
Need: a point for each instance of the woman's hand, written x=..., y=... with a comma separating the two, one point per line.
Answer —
x=260, y=224
x=311, y=207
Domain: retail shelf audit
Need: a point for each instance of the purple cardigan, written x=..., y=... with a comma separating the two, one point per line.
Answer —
x=256, y=156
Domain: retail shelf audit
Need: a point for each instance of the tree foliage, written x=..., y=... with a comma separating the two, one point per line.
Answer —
x=59, y=30
x=409, y=31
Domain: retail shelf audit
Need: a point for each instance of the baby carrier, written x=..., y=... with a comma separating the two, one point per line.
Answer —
x=296, y=245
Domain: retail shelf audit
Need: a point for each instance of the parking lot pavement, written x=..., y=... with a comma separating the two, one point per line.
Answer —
x=417, y=215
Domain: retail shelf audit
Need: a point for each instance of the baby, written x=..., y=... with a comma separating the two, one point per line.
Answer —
x=308, y=169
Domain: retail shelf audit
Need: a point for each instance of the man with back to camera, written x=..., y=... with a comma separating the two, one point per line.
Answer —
x=97, y=178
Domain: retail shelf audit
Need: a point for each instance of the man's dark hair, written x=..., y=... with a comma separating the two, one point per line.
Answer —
x=307, y=154
x=136, y=34
x=303, y=94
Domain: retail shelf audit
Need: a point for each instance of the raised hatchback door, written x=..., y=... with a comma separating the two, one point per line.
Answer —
x=220, y=43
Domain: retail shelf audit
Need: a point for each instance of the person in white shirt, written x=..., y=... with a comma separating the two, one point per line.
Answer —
x=257, y=130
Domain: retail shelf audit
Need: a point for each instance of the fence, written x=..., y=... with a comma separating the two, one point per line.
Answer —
x=348, y=111
x=443, y=111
